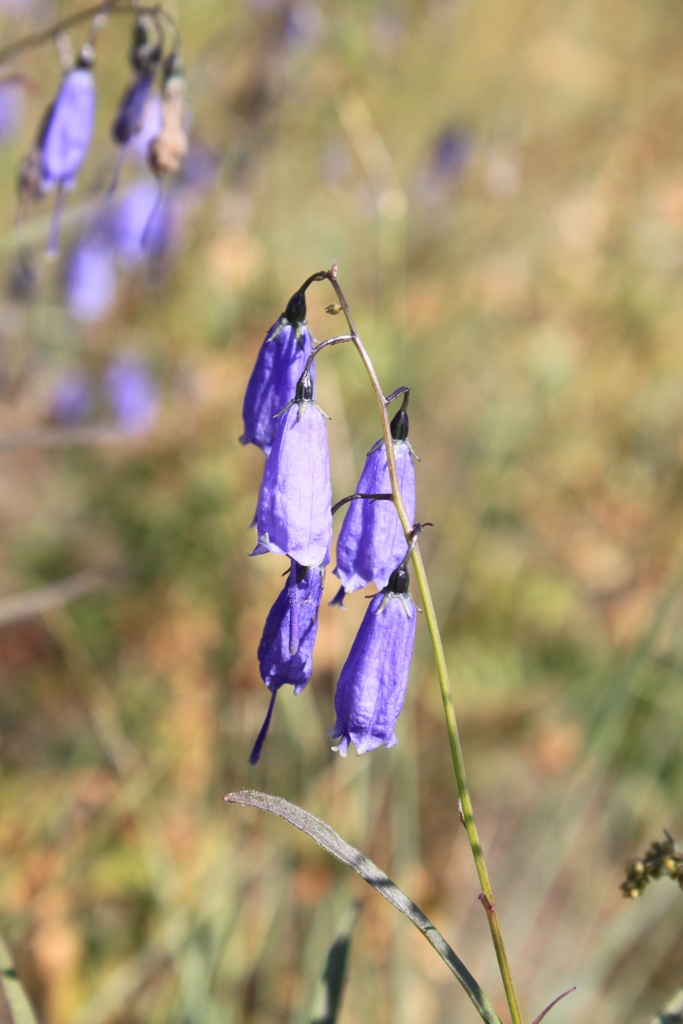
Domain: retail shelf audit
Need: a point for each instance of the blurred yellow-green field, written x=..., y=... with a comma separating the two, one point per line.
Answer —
x=502, y=187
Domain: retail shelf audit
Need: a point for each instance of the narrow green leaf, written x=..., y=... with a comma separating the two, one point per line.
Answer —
x=347, y=854
x=328, y=993
x=20, y=1008
x=672, y=1012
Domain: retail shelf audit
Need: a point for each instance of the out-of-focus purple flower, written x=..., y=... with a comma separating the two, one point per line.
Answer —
x=132, y=394
x=143, y=224
x=294, y=515
x=372, y=685
x=371, y=541
x=67, y=130
x=452, y=151
x=130, y=115
x=149, y=129
x=279, y=365
x=90, y=284
x=285, y=652
x=11, y=107
x=72, y=399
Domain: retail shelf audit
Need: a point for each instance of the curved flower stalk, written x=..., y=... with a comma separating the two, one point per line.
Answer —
x=281, y=360
x=285, y=653
x=372, y=541
x=373, y=682
x=294, y=514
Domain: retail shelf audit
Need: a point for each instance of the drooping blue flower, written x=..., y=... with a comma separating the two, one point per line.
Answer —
x=371, y=541
x=67, y=129
x=149, y=129
x=285, y=652
x=90, y=283
x=279, y=364
x=372, y=685
x=130, y=115
x=132, y=394
x=294, y=515
x=72, y=399
x=144, y=225
x=11, y=106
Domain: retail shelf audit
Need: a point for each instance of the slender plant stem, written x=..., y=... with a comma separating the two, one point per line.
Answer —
x=107, y=7
x=467, y=812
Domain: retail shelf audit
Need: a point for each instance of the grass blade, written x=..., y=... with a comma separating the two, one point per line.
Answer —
x=672, y=1012
x=326, y=837
x=330, y=987
x=21, y=1011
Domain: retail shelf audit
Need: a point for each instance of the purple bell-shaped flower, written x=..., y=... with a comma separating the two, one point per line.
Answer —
x=67, y=129
x=132, y=394
x=372, y=685
x=279, y=364
x=294, y=514
x=90, y=282
x=65, y=134
x=145, y=58
x=371, y=541
x=285, y=652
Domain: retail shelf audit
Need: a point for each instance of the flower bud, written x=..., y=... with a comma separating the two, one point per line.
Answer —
x=167, y=150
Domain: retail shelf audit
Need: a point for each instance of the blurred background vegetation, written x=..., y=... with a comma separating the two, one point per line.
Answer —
x=502, y=186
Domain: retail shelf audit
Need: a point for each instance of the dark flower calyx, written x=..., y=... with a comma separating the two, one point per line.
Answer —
x=86, y=56
x=399, y=424
x=295, y=312
x=399, y=581
x=304, y=388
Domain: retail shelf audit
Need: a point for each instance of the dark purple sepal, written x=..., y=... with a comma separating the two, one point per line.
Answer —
x=372, y=685
x=294, y=512
x=371, y=541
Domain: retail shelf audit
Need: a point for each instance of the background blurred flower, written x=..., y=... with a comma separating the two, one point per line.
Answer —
x=90, y=285
x=144, y=224
x=132, y=394
x=12, y=104
x=72, y=399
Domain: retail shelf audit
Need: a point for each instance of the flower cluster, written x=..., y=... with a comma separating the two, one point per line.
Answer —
x=65, y=133
x=294, y=518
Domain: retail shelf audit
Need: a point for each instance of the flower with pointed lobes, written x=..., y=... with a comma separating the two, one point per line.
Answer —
x=285, y=653
x=294, y=513
x=279, y=364
x=372, y=685
x=371, y=541
x=66, y=132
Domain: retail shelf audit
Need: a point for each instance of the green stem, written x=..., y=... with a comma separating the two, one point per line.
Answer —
x=467, y=811
x=21, y=1011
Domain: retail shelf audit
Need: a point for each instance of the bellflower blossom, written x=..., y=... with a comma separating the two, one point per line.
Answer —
x=72, y=399
x=132, y=394
x=130, y=115
x=294, y=515
x=90, y=285
x=67, y=129
x=371, y=541
x=279, y=364
x=372, y=685
x=144, y=225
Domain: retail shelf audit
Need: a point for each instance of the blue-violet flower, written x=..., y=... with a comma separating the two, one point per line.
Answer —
x=67, y=129
x=372, y=685
x=371, y=541
x=294, y=514
x=280, y=363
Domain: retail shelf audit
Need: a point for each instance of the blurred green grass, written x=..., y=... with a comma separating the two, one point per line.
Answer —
x=533, y=302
